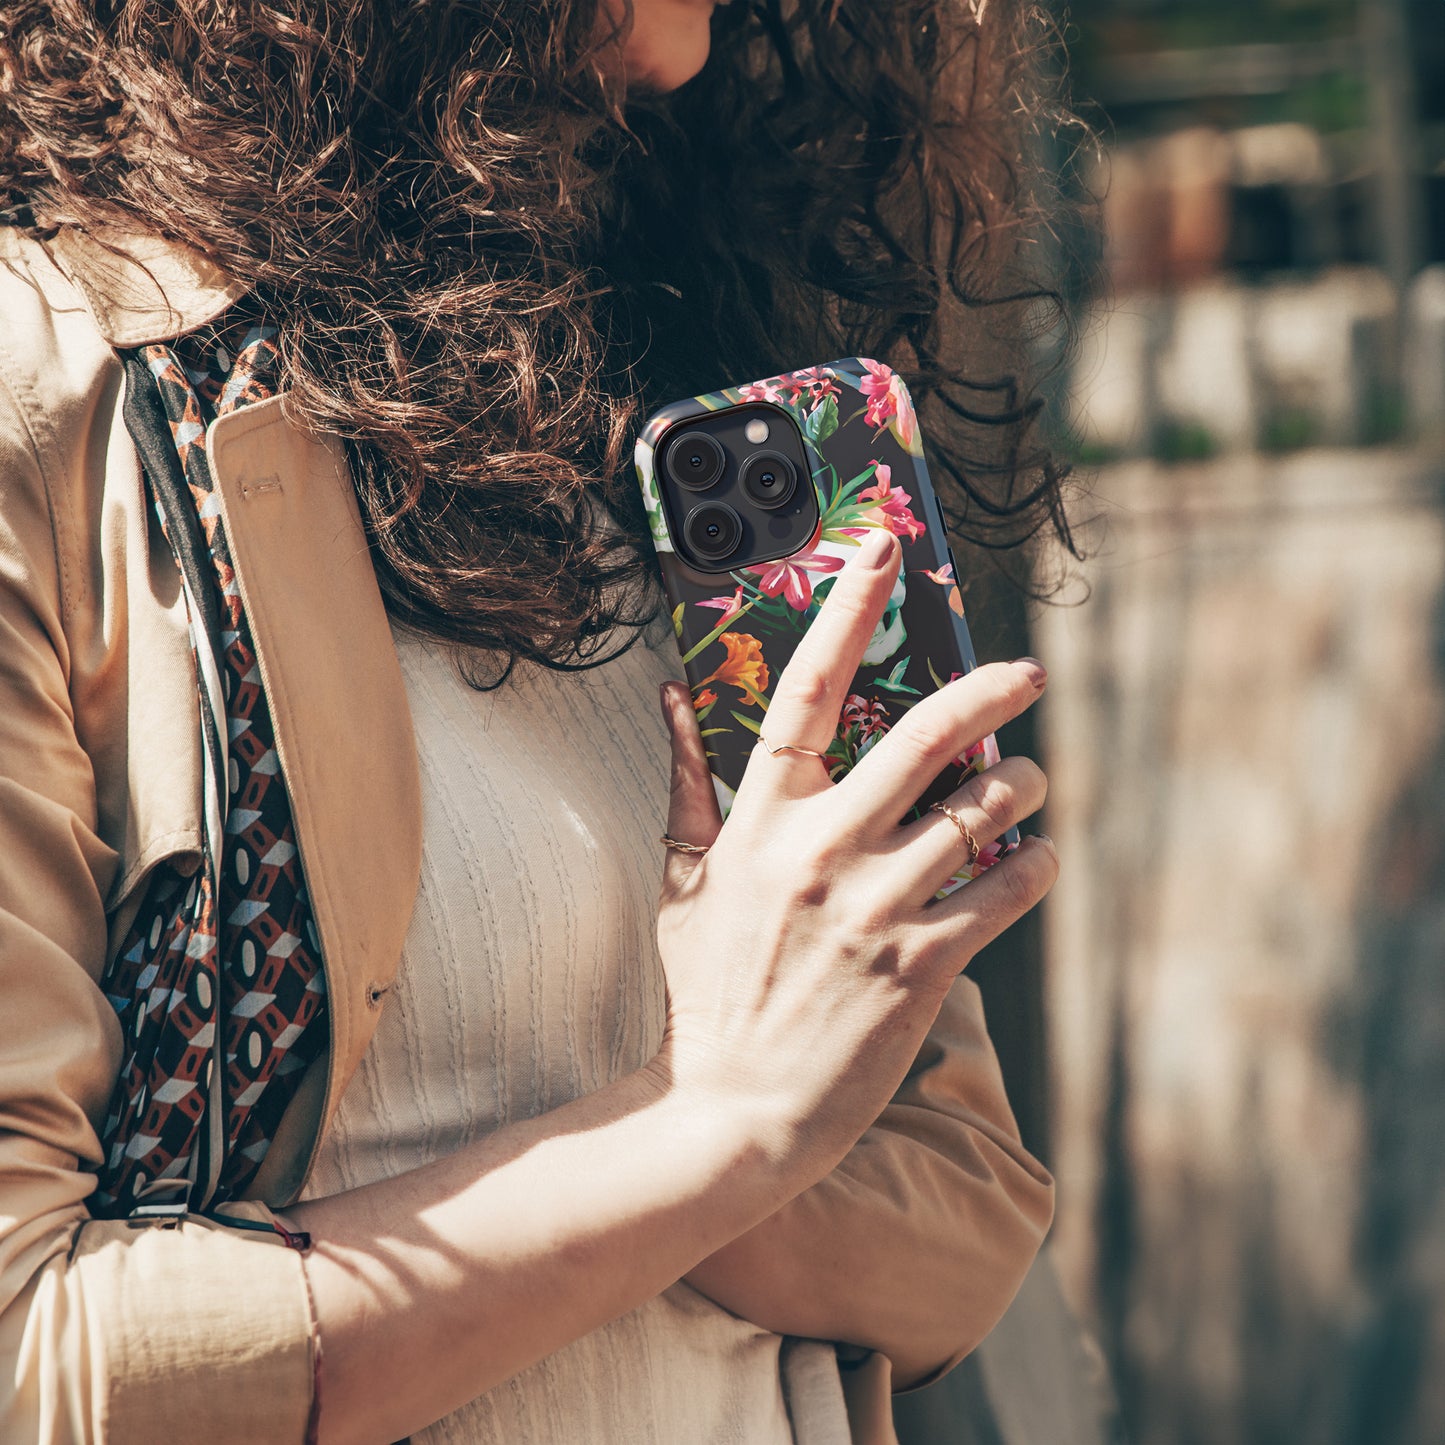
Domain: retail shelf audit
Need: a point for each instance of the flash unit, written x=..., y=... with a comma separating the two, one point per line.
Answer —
x=756, y=431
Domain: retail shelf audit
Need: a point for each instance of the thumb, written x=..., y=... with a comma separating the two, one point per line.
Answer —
x=693, y=815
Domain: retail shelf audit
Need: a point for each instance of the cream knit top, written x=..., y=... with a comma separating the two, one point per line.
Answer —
x=530, y=976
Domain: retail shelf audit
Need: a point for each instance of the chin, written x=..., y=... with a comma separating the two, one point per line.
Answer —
x=672, y=59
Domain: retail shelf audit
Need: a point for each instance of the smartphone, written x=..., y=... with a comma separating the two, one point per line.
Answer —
x=756, y=495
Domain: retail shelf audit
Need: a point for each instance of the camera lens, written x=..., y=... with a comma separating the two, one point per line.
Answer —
x=713, y=531
x=769, y=479
x=695, y=460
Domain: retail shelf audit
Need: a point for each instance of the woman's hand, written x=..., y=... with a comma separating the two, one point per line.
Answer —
x=806, y=957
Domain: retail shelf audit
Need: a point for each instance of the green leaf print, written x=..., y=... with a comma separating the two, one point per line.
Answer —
x=822, y=421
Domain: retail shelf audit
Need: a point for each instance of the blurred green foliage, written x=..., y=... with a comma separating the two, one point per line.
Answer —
x=1107, y=36
x=1123, y=27
x=1178, y=441
x=1288, y=430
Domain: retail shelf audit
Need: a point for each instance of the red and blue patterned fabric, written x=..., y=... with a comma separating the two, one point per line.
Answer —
x=218, y=984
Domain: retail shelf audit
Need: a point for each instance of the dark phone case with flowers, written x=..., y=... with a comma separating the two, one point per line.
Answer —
x=737, y=630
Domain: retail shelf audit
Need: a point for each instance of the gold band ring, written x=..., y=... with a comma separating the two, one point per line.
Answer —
x=962, y=827
x=668, y=841
x=790, y=748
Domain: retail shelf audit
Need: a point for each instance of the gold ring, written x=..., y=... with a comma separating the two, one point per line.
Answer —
x=790, y=748
x=668, y=841
x=962, y=827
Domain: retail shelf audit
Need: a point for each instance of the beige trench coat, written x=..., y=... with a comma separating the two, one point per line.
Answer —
x=116, y=1333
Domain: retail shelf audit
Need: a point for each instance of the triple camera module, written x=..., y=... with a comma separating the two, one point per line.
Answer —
x=736, y=488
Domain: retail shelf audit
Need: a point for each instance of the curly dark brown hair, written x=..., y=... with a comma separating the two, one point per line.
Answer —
x=487, y=263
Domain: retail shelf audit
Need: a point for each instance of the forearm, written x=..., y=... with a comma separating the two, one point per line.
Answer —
x=459, y=1274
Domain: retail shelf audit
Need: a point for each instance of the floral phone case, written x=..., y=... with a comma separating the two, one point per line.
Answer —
x=737, y=630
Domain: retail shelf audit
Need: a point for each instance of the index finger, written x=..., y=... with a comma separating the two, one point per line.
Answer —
x=810, y=692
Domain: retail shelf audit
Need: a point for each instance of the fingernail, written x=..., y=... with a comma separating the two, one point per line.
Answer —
x=1046, y=841
x=1037, y=673
x=877, y=547
x=664, y=699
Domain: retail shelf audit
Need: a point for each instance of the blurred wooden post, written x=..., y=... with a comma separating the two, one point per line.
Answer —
x=1398, y=160
x=1385, y=42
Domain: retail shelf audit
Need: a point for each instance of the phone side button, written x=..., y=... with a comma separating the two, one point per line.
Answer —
x=942, y=520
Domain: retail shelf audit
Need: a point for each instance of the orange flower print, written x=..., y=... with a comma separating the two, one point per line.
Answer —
x=705, y=698
x=743, y=667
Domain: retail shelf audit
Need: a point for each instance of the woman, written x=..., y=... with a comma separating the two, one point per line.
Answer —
x=387, y=285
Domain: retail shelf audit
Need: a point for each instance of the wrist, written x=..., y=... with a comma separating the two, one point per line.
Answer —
x=754, y=1144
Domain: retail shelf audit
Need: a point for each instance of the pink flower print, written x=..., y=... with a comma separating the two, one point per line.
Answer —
x=728, y=606
x=793, y=577
x=879, y=387
x=892, y=509
x=889, y=403
x=816, y=381
x=866, y=714
x=905, y=419
x=980, y=755
x=762, y=391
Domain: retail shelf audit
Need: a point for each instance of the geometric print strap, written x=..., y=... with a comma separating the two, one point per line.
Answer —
x=218, y=984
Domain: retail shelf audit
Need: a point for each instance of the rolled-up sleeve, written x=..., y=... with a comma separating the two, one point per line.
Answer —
x=934, y=1217
x=916, y=1243
x=939, y=1209
x=119, y=1334
x=108, y=1332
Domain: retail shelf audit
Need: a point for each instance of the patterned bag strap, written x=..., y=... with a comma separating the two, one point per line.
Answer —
x=218, y=984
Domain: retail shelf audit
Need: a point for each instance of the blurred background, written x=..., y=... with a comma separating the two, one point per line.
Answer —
x=1245, y=962
x=1229, y=1037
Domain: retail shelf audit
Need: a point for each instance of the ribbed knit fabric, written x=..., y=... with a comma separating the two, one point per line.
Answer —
x=530, y=976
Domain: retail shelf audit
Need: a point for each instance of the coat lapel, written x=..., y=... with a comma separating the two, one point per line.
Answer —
x=141, y=287
x=343, y=730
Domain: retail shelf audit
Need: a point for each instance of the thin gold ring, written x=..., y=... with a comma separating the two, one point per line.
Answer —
x=790, y=748
x=962, y=827
x=668, y=841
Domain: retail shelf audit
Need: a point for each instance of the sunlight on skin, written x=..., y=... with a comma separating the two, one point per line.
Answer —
x=668, y=42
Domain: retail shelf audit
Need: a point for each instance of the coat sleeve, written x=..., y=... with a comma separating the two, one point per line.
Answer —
x=917, y=1242
x=107, y=1332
